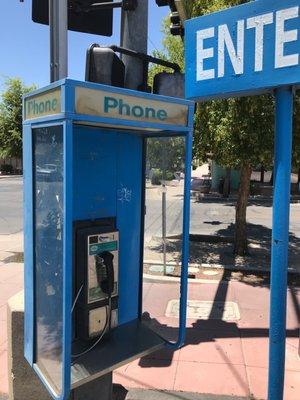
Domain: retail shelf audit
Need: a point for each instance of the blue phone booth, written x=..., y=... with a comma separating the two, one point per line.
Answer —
x=84, y=165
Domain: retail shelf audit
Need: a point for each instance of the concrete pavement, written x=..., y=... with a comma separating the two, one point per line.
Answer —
x=11, y=282
x=227, y=356
x=226, y=350
x=140, y=394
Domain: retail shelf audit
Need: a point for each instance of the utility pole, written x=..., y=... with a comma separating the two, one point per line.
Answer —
x=58, y=24
x=134, y=36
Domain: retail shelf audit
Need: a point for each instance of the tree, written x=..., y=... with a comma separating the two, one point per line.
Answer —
x=166, y=154
x=11, y=117
x=237, y=133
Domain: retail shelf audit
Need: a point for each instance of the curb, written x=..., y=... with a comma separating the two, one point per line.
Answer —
x=263, y=199
x=208, y=266
x=11, y=176
x=150, y=394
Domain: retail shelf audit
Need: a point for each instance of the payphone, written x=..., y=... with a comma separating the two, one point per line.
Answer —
x=84, y=175
x=96, y=289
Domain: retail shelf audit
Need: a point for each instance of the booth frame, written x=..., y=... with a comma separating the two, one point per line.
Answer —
x=67, y=118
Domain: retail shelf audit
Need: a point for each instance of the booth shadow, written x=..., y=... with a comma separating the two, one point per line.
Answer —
x=210, y=329
x=204, y=331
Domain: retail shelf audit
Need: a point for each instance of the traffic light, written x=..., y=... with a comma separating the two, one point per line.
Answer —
x=176, y=27
x=169, y=84
x=163, y=3
x=80, y=16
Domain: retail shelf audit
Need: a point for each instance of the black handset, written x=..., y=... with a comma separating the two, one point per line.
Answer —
x=105, y=272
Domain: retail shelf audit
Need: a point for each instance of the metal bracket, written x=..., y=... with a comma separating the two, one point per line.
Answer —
x=146, y=59
x=126, y=5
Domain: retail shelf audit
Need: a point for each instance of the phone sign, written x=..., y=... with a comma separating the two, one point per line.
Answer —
x=248, y=49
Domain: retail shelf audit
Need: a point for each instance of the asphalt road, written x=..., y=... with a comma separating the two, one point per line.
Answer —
x=206, y=217
x=11, y=205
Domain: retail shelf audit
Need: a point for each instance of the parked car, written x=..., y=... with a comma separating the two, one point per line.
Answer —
x=48, y=173
x=201, y=185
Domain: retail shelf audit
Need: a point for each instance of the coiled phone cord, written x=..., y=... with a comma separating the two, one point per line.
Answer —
x=76, y=298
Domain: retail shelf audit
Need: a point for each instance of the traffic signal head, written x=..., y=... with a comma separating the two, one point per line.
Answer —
x=162, y=3
x=176, y=27
x=80, y=16
x=104, y=66
x=170, y=3
x=169, y=84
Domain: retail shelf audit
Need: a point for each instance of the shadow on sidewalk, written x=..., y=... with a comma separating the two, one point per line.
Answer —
x=218, y=248
x=203, y=331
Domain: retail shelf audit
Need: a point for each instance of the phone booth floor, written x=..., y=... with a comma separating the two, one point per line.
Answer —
x=84, y=200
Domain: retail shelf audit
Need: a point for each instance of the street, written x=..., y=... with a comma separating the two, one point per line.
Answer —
x=11, y=205
x=207, y=217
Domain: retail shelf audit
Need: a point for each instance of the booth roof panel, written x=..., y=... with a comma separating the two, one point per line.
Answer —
x=85, y=101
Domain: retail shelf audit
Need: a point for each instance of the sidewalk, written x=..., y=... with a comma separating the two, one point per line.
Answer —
x=227, y=356
x=226, y=350
x=11, y=282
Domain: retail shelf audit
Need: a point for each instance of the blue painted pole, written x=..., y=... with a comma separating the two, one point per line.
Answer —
x=280, y=239
x=185, y=243
x=185, y=239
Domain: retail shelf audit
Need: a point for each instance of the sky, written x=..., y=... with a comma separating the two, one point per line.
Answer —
x=24, y=45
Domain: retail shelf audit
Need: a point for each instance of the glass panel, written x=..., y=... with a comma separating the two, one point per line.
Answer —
x=163, y=234
x=48, y=193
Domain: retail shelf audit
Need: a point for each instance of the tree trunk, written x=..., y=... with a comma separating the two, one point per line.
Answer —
x=226, y=187
x=240, y=239
x=272, y=177
x=262, y=174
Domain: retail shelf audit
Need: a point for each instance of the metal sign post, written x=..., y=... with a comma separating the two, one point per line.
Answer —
x=251, y=49
x=280, y=239
x=58, y=24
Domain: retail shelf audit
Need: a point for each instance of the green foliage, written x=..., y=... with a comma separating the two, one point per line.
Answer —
x=165, y=154
x=11, y=117
x=156, y=176
x=202, y=7
x=235, y=132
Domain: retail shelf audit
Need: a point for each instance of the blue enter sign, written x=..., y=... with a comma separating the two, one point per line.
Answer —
x=243, y=50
